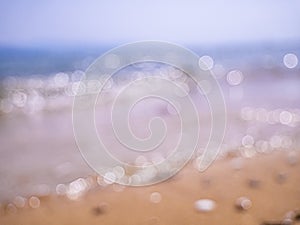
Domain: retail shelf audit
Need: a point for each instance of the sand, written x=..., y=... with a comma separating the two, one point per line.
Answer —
x=270, y=181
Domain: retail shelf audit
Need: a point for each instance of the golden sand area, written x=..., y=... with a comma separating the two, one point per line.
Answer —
x=259, y=190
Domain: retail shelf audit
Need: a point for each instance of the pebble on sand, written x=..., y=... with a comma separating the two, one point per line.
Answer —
x=254, y=183
x=100, y=209
x=205, y=205
x=243, y=203
x=293, y=215
x=281, y=177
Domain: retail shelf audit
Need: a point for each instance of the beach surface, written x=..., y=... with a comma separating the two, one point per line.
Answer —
x=269, y=183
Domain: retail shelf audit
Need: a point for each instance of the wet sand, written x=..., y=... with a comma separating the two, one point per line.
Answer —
x=270, y=181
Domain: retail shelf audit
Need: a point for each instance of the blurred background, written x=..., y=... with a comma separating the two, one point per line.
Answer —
x=251, y=47
x=56, y=36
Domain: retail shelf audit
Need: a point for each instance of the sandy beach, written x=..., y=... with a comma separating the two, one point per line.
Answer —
x=270, y=181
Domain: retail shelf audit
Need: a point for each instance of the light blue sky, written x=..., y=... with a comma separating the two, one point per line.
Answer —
x=31, y=22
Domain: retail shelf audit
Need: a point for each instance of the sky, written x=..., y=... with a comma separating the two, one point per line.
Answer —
x=80, y=22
